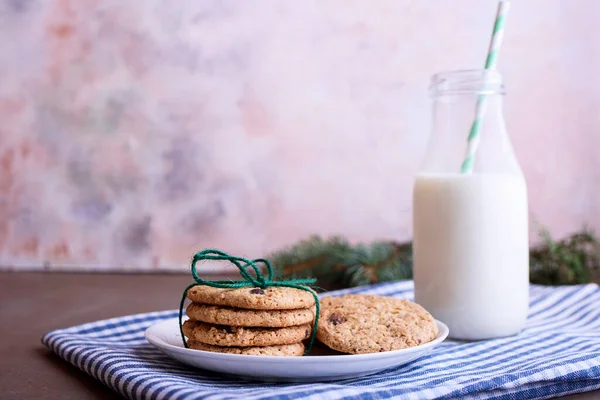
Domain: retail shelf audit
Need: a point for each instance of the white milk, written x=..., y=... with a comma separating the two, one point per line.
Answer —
x=471, y=252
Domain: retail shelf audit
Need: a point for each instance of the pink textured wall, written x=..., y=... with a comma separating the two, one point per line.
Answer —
x=133, y=133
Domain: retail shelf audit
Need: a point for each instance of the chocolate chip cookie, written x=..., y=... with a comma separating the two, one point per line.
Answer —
x=243, y=317
x=271, y=298
x=368, y=324
x=295, y=349
x=239, y=336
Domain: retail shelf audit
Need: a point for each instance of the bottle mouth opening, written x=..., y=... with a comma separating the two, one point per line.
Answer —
x=474, y=81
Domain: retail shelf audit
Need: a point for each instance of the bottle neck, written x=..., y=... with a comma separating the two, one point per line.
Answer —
x=456, y=116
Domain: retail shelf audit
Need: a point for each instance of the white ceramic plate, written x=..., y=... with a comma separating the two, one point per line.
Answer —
x=165, y=336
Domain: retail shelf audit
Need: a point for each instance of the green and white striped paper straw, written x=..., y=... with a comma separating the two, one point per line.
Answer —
x=490, y=63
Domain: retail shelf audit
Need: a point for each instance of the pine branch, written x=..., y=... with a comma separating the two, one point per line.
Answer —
x=337, y=263
x=573, y=260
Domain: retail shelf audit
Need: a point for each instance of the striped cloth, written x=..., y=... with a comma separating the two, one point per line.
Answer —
x=557, y=354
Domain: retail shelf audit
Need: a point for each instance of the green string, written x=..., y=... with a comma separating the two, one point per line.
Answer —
x=248, y=281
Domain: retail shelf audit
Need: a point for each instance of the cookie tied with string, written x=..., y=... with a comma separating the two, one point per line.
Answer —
x=270, y=298
x=231, y=316
x=296, y=349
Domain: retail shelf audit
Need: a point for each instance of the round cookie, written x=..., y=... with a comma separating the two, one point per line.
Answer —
x=369, y=324
x=295, y=349
x=271, y=298
x=244, y=317
x=239, y=336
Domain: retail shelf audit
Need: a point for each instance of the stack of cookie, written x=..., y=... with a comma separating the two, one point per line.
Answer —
x=254, y=321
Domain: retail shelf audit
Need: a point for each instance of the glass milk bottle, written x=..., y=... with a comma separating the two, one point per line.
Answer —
x=471, y=247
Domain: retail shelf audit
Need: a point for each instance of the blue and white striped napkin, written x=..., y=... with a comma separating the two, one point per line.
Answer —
x=557, y=354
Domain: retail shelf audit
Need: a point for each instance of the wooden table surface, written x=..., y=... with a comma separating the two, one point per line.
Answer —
x=32, y=304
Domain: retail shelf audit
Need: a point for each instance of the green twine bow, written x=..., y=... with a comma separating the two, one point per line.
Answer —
x=249, y=281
